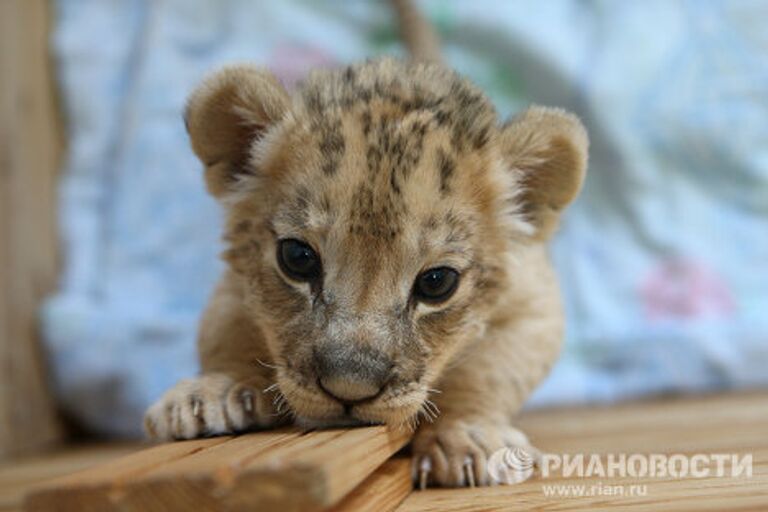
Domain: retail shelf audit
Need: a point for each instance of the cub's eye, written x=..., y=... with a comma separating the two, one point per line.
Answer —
x=298, y=260
x=436, y=284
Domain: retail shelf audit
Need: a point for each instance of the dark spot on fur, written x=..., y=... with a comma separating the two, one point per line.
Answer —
x=242, y=227
x=441, y=116
x=366, y=121
x=375, y=216
x=350, y=75
x=446, y=165
x=394, y=185
x=332, y=145
x=481, y=138
x=312, y=101
x=364, y=95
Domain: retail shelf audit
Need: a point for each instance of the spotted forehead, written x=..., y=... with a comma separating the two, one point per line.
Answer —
x=389, y=174
x=395, y=89
x=376, y=126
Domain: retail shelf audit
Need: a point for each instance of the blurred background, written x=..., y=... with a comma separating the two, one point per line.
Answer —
x=110, y=243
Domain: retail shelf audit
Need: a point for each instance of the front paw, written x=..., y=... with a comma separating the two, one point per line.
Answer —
x=455, y=453
x=209, y=405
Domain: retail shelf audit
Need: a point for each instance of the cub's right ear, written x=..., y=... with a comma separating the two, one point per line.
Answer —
x=226, y=114
x=546, y=148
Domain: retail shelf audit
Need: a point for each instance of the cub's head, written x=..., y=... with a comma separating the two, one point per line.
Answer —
x=372, y=217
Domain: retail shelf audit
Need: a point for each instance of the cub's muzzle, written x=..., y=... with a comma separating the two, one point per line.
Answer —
x=351, y=373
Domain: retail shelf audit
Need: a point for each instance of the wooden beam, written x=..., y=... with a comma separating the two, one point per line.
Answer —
x=19, y=476
x=284, y=470
x=717, y=424
x=383, y=491
x=30, y=151
x=588, y=494
x=728, y=423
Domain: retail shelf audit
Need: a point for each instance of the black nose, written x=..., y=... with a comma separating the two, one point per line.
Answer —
x=351, y=373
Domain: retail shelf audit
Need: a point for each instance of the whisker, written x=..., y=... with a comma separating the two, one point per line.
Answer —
x=432, y=407
x=413, y=422
x=427, y=415
x=279, y=402
x=284, y=413
x=270, y=388
x=267, y=365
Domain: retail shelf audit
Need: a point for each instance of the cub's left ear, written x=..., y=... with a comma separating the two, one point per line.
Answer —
x=547, y=150
x=231, y=110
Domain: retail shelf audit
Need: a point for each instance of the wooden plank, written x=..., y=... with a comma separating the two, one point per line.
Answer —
x=30, y=152
x=92, y=488
x=723, y=422
x=135, y=465
x=734, y=423
x=716, y=494
x=383, y=491
x=20, y=475
x=712, y=422
x=278, y=470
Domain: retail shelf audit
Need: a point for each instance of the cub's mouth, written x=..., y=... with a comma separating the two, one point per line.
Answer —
x=312, y=405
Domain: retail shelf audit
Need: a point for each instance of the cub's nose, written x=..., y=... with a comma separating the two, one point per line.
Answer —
x=351, y=373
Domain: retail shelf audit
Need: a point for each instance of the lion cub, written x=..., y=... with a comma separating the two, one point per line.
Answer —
x=386, y=258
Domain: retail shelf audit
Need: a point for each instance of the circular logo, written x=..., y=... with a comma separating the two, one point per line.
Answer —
x=511, y=465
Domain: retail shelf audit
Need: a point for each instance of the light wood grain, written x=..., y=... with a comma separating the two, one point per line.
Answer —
x=20, y=475
x=29, y=155
x=279, y=470
x=716, y=494
x=383, y=491
x=671, y=425
x=711, y=424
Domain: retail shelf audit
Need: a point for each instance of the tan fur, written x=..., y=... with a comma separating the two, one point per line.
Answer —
x=386, y=169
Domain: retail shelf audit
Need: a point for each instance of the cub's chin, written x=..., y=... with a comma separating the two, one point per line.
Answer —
x=312, y=408
x=377, y=412
x=396, y=412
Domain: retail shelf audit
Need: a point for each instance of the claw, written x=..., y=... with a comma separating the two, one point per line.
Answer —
x=536, y=453
x=197, y=406
x=247, y=398
x=425, y=466
x=469, y=471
